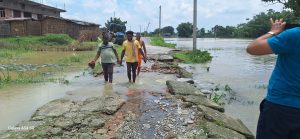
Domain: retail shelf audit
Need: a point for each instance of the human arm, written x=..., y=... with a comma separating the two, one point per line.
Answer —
x=122, y=55
x=142, y=53
x=92, y=63
x=144, y=48
x=123, y=52
x=260, y=45
x=97, y=55
x=116, y=54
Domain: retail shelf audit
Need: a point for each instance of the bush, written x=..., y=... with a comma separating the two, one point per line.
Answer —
x=197, y=56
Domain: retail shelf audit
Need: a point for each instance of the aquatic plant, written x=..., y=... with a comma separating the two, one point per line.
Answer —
x=217, y=97
x=228, y=88
x=22, y=78
x=74, y=59
x=5, y=77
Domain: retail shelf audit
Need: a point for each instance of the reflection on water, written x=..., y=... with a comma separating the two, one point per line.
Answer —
x=232, y=65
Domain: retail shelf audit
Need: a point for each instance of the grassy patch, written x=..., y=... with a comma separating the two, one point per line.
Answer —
x=37, y=41
x=159, y=41
x=54, y=39
x=197, y=56
x=47, y=42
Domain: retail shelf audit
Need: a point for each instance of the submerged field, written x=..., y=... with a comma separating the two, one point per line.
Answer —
x=36, y=59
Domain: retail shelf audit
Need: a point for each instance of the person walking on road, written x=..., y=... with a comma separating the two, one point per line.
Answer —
x=131, y=49
x=109, y=57
x=140, y=57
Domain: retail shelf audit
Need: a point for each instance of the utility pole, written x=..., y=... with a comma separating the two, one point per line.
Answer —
x=159, y=20
x=140, y=28
x=195, y=27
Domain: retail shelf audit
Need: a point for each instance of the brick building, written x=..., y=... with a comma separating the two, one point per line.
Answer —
x=12, y=9
x=24, y=17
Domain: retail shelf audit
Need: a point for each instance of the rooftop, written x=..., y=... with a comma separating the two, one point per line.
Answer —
x=41, y=5
x=60, y=18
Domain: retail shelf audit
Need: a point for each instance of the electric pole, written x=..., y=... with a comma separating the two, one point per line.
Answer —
x=195, y=27
x=159, y=20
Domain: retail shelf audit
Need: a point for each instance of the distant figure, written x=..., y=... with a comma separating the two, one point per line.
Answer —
x=131, y=49
x=109, y=57
x=140, y=57
x=280, y=110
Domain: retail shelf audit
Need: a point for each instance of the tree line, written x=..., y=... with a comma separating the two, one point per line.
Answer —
x=254, y=27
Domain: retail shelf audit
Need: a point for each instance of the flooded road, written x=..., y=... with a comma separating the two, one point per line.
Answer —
x=231, y=65
x=19, y=103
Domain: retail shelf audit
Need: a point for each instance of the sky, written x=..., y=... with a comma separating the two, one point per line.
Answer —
x=138, y=13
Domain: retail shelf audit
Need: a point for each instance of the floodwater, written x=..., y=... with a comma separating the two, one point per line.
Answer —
x=247, y=75
x=18, y=103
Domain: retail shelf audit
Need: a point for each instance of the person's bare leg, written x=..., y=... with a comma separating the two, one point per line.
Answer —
x=138, y=71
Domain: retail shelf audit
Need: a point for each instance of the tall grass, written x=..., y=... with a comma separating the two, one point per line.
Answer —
x=55, y=39
x=22, y=78
x=159, y=41
x=45, y=42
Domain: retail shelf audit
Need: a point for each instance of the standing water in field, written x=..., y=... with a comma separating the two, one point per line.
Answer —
x=19, y=102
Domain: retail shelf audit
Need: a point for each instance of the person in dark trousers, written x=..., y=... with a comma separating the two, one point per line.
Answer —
x=109, y=57
x=280, y=111
x=131, y=49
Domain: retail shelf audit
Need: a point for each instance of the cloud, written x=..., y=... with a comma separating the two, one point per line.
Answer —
x=139, y=12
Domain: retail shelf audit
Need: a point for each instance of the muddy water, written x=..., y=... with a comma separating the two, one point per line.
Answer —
x=245, y=74
x=19, y=103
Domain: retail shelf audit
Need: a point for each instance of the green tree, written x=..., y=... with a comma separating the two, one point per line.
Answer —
x=154, y=33
x=260, y=24
x=223, y=32
x=116, y=25
x=294, y=5
x=168, y=30
x=185, y=29
x=201, y=33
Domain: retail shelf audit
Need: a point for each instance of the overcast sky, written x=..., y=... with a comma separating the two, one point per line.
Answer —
x=139, y=12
